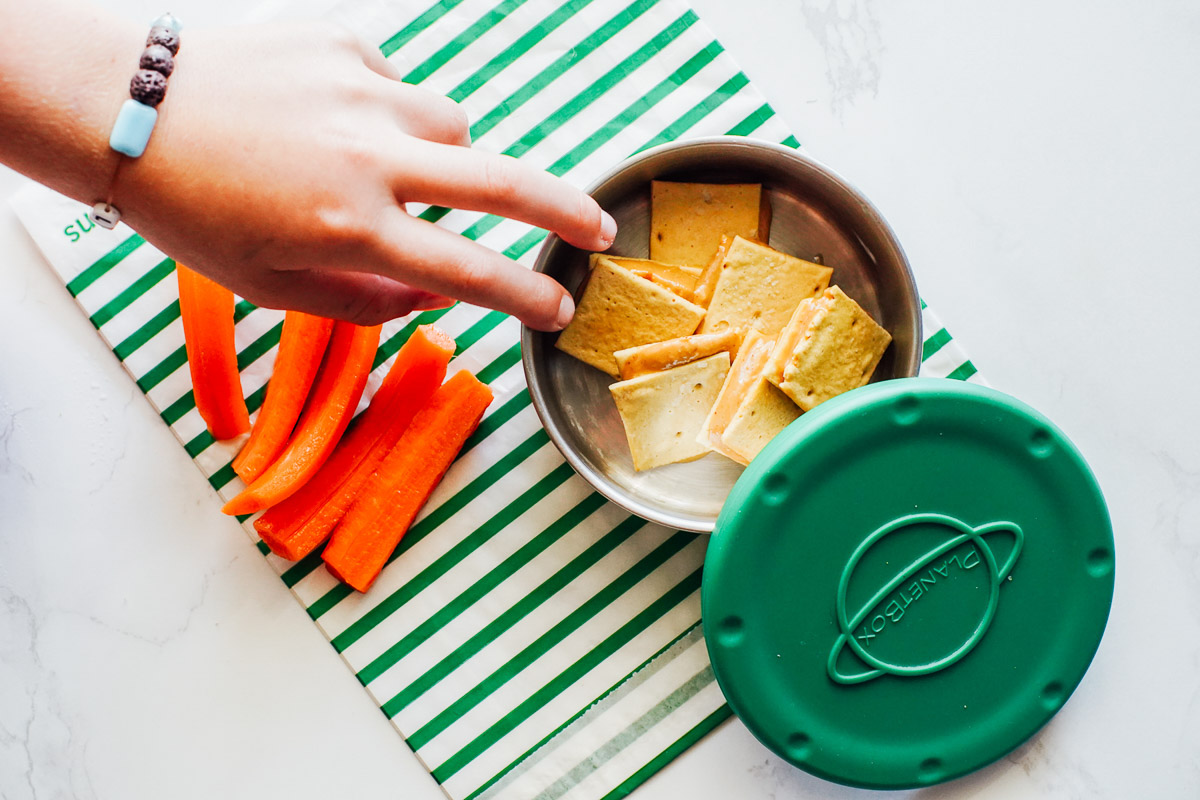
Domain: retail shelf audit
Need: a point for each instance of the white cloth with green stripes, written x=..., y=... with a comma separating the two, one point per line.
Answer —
x=528, y=638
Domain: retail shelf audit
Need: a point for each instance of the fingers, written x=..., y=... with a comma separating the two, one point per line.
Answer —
x=421, y=113
x=430, y=116
x=448, y=264
x=374, y=58
x=474, y=180
x=361, y=298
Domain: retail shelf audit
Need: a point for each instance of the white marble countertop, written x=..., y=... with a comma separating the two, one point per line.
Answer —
x=1037, y=161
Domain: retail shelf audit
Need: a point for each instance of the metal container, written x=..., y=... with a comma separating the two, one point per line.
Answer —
x=816, y=215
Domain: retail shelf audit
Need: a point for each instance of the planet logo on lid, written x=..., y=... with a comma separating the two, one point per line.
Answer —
x=918, y=595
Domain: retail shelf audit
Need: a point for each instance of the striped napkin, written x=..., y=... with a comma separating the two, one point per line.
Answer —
x=528, y=638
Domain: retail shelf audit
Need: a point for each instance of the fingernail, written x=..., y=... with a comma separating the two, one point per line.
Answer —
x=608, y=228
x=566, y=310
x=434, y=302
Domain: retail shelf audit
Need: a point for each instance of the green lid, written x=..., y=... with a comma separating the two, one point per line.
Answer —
x=907, y=583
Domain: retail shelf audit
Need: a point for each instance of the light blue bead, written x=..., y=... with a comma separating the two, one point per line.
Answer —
x=134, y=125
x=169, y=20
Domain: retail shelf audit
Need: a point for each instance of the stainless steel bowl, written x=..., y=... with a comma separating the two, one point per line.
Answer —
x=815, y=213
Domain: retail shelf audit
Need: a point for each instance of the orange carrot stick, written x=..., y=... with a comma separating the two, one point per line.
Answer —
x=207, y=311
x=297, y=525
x=301, y=346
x=399, y=487
x=335, y=394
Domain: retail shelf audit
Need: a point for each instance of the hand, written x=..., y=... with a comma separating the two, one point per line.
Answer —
x=281, y=164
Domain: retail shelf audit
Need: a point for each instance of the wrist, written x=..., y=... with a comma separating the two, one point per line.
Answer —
x=55, y=119
x=138, y=116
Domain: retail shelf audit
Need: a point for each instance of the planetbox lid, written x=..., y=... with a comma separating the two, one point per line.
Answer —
x=907, y=583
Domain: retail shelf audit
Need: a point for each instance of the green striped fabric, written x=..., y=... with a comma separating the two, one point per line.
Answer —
x=528, y=639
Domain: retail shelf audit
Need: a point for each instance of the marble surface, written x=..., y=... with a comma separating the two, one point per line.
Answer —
x=1036, y=160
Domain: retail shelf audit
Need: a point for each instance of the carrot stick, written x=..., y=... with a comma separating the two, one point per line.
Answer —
x=335, y=394
x=301, y=346
x=297, y=525
x=207, y=311
x=399, y=487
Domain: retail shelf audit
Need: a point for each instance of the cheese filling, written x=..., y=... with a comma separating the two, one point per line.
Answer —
x=789, y=340
x=706, y=284
x=660, y=356
x=746, y=369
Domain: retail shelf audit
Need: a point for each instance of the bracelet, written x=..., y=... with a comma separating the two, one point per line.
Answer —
x=136, y=119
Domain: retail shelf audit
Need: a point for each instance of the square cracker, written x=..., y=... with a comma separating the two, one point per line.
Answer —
x=663, y=411
x=761, y=416
x=837, y=350
x=761, y=287
x=749, y=411
x=660, y=356
x=687, y=220
x=619, y=310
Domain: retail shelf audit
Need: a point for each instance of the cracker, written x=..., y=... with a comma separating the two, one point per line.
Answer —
x=749, y=411
x=761, y=416
x=838, y=351
x=675, y=273
x=619, y=310
x=761, y=287
x=663, y=411
x=659, y=356
x=687, y=220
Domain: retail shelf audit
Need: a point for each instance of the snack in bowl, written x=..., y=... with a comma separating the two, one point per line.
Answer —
x=749, y=411
x=830, y=346
x=658, y=356
x=663, y=412
x=687, y=220
x=760, y=286
x=813, y=211
x=666, y=283
x=669, y=275
x=620, y=310
x=683, y=394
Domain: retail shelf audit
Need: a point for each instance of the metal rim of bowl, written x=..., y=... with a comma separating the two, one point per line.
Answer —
x=596, y=479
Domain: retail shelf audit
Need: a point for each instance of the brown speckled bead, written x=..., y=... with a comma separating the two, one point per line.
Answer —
x=148, y=87
x=158, y=58
x=161, y=34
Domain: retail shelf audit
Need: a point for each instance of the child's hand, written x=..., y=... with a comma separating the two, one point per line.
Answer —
x=281, y=164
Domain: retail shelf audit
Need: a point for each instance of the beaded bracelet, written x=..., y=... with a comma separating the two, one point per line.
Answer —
x=135, y=122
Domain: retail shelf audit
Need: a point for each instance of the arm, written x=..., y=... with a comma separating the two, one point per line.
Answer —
x=280, y=165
